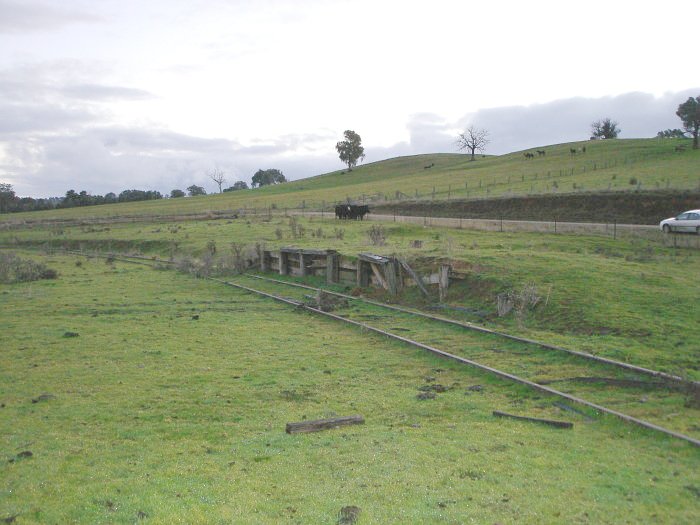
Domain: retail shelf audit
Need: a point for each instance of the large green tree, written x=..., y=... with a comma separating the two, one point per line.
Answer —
x=7, y=197
x=194, y=191
x=267, y=177
x=350, y=150
x=689, y=113
x=605, y=129
x=238, y=185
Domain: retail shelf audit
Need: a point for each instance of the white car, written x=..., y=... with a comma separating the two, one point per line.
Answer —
x=688, y=221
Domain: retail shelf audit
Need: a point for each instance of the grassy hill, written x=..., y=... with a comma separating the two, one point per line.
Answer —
x=617, y=165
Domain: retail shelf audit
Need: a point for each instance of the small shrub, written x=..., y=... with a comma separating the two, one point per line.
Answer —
x=296, y=228
x=238, y=257
x=377, y=235
x=633, y=181
x=339, y=233
x=520, y=302
x=14, y=269
x=185, y=265
x=279, y=234
x=211, y=248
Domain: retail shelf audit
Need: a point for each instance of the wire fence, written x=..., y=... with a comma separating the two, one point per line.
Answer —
x=608, y=227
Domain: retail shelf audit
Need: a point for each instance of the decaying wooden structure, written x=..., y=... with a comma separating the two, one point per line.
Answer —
x=366, y=269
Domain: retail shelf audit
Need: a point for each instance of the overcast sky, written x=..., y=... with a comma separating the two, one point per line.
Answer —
x=107, y=95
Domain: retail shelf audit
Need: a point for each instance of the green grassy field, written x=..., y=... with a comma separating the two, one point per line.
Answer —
x=617, y=165
x=169, y=404
x=629, y=299
x=150, y=415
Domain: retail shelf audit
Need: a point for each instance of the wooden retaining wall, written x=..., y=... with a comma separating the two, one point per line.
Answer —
x=366, y=269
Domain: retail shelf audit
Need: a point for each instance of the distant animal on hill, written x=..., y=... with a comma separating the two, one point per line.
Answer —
x=541, y=152
x=572, y=151
x=428, y=166
x=529, y=155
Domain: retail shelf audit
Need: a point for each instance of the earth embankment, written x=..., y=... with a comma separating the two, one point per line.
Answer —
x=621, y=207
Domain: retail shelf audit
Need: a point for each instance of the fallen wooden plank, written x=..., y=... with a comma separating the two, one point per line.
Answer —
x=378, y=274
x=414, y=276
x=323, y=424
x=550, y=422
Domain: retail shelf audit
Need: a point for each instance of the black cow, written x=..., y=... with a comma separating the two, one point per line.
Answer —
x=351, y=211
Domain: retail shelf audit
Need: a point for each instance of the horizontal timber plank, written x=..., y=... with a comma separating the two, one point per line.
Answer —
x=550, y=422
x=323, y=424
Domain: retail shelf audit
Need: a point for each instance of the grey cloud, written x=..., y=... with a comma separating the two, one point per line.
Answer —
x=28, y=118
x=428, y=133
x=106, y=93
x=22, y=17
x=104, y=159
x=516, y=128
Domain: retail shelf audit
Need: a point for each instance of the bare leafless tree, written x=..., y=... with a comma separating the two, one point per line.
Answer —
x=218, y=176
x=472, y=140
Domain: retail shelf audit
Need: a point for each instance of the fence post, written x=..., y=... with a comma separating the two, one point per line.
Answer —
x=615, y=228
x=555, y=225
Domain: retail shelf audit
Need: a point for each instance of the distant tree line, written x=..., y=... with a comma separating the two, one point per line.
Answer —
x=11, y=202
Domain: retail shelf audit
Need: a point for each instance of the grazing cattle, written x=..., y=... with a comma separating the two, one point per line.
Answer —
x=583, y=149
x=541, y=152
x=572, y=151
x=342, y=211
x=529, y=155
x=351, y=211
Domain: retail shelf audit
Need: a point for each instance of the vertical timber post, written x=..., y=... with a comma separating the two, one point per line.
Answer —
x=363, y=270
x=391, y=277
x=284, y=263
x=302, y=264
x=263, y=258
x=332, y=268
x=443, y=280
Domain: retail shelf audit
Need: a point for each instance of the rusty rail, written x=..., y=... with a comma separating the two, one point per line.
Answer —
x=474, y=364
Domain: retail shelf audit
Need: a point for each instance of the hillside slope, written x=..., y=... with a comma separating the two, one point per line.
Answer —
x=592, y=166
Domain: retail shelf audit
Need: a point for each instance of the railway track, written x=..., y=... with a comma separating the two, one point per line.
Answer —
x=647, y=398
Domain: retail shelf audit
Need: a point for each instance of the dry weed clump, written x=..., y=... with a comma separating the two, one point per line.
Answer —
x=519, y=302
x=377, y=235
x=238, y=260
x=14, y=269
